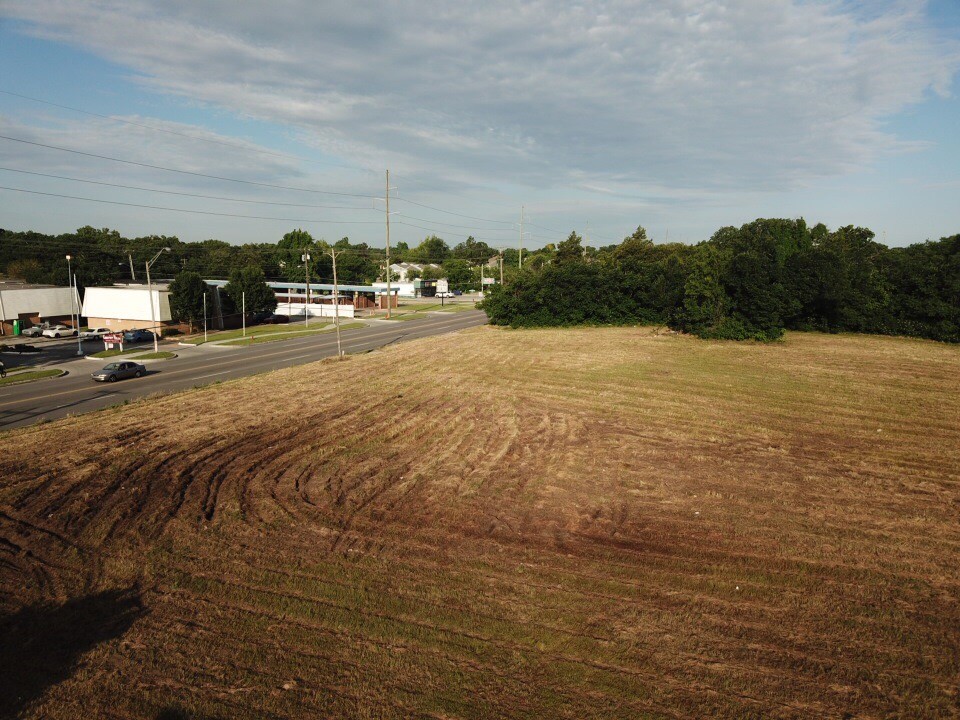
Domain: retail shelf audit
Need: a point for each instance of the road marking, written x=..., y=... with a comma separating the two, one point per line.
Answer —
x=330, y=341
x=201, y=377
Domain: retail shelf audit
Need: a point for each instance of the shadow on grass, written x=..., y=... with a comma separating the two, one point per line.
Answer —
x=41, y=644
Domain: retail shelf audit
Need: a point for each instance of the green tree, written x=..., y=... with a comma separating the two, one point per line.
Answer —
x=430, y=272
x=186, y=297
x=249, y=287
x=431, y=250
x=570, y=250
x=473, y=251
x=29, y=270
x=459, y=273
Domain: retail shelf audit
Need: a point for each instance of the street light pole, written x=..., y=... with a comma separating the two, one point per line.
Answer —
x=74, y=312
x=76, y=304
x=153, y=313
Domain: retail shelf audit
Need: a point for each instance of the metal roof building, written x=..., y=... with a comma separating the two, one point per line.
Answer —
x=32, y=304
x=325, y=287
x=126, y=308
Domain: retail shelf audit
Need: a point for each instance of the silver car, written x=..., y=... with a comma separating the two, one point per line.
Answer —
x=118, y=371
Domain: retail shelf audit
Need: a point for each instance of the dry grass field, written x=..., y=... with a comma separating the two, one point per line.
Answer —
x=597, y=523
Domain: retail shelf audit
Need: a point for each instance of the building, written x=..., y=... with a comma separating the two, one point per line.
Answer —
x=403, y=289
x=28, y=305
x=402, y=270
x=292, y=297
x=127, y=307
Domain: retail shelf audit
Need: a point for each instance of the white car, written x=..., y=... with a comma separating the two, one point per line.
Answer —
x=94, y=333
x=59, y=331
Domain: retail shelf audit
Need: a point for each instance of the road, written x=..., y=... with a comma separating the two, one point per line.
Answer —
x=76, y=393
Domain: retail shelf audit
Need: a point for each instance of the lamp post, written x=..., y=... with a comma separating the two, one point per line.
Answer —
x=153, y=313
x=74, y=310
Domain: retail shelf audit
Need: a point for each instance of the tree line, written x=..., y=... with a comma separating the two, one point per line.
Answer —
x=751, y=282
x=103, y=256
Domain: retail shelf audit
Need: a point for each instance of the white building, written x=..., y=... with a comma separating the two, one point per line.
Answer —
x=127, y=308
x=33, y=304
x=403, y=289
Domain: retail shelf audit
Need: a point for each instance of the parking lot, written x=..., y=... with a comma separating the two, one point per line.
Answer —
x=49, y=351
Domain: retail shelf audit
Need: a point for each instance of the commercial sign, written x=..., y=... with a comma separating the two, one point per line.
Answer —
x=110, y=340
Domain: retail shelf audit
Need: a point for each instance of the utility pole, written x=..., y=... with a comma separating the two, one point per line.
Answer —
x=501, y=268
x=306, y=259
x=389, y=300
x=204, y=315
x=336, y=301
x=153, y=311
x=133, y=275
x=521, y=237
x=481, y=279
x=243, y=311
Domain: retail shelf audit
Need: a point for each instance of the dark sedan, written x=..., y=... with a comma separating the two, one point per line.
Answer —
x=118, y=371
x=135, y=336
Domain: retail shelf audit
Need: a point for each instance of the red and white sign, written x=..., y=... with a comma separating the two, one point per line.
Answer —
x=110, y=340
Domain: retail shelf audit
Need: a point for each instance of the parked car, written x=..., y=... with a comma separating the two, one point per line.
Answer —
x=135, y=336
x=260, y=317
x=444, y=295
x=34, y=330
x=94, y=333
x=276, y=320
x=118, y=371
x=58, y=331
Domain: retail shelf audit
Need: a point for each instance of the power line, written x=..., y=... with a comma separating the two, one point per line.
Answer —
x=194, y=212
x=184, y=194
x=167, y=131
x=450, y=212
x=184, y=172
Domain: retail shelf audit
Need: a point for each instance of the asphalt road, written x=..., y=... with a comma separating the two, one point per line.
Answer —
x=76, y=393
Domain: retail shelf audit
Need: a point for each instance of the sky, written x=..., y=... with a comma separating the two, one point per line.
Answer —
x=242, y=121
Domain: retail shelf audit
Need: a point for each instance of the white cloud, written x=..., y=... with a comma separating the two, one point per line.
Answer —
x=740, y=95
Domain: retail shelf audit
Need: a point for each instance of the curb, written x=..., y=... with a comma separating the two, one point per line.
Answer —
x=49, y=377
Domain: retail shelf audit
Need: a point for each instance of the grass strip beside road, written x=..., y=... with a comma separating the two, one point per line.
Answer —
x=113, y=353
x=256, y=339
x=22, y=377
x=162, y=355
x=251, y=330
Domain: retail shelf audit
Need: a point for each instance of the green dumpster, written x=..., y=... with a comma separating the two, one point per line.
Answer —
x=16, y=327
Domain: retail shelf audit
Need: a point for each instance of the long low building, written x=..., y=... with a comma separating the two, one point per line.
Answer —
x=26, y=305
x=360, y=296
x=127, y=308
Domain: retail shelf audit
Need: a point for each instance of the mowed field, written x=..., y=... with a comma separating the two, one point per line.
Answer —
x=595, y=523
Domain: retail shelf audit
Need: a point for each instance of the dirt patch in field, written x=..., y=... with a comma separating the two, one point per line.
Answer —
x=581, y=523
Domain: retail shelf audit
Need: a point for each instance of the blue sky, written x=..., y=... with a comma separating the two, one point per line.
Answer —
x=680, y=116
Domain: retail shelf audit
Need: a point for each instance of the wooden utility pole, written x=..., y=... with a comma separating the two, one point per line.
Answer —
x=133, y=275
x=520, y=262
x=336, y=301
x=501, y=268
x=306, y=313
x=389, y=300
